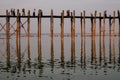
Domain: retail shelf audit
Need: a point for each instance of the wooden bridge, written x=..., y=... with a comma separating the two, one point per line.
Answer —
x=102, y=22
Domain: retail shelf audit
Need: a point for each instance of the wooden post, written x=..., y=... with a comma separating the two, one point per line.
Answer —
x=100, y=25
x=51, y=35
x=62, y=37
x=94, y=25
x=113, y=27
x=73, y=37
x=7, y=38
x=81, y=25
x=18, y=37
x=110, y=25
x=103, y=27
x=28, y=34
x=91, y=24
x=84, y=23
x=39, y=37
x=84, y=37
x=51, y=25
x=119, y=21
x=110, y=52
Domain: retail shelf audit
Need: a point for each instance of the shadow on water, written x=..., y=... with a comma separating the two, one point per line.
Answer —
x=92, y=60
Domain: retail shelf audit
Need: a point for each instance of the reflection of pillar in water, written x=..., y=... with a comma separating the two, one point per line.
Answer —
x=39, y=37
x=93, y=50
x=73, y=37
x=28, y=34
x=119, y=51
x=81, y=50
x=51, y=35
x=84, y=51
x=18, y=46
x=7, y=39
x=103, y=49
x=62, y=39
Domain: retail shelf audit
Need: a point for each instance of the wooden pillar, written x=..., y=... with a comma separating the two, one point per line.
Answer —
x=39, y=37
x=7, y=39
x=73, y=37
x=62, y=37
x=84, y=23
x=84, y=13
x=110, y=25
x=28, y=35
x=100, y=25
x=119, y=21
x=81, y=27
x=113, y=25
x=18, y=37
x=94, y=25
x=110, y=51
x=51, y=35
x=91, y=24
x=103, y=27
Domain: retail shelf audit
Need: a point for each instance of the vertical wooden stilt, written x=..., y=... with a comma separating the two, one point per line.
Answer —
x=18, y=38
x=73, y=37
x=103, y=42
x=92, y=39
x=62, y=38
x=103, y=27
x=113, y=25
x=39, y=37
x=100, y=25
x=52, y=43
x=94, y=25
x=119, y=22
x=113, y=34
x=7, y=39
x=91, y=25
x=28, y=34
x=81, y=27
x=84, y=23
x=110, y=51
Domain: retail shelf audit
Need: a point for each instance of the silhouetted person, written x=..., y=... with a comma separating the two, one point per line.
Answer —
x=34, y=12
x=105, y=13
x=68, y=13
x=23, y=12
x=13, y=12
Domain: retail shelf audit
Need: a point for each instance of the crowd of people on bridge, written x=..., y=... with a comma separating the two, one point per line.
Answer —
x=12, y=12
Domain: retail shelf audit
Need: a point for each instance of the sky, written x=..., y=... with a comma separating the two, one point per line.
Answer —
x=58, y=5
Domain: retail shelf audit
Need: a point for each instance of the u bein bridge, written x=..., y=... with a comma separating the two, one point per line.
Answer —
x=102, y=22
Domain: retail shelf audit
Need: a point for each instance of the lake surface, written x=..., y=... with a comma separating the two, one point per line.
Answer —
x=84, y=58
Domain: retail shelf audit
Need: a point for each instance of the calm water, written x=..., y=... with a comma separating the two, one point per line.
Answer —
x=84, y=58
